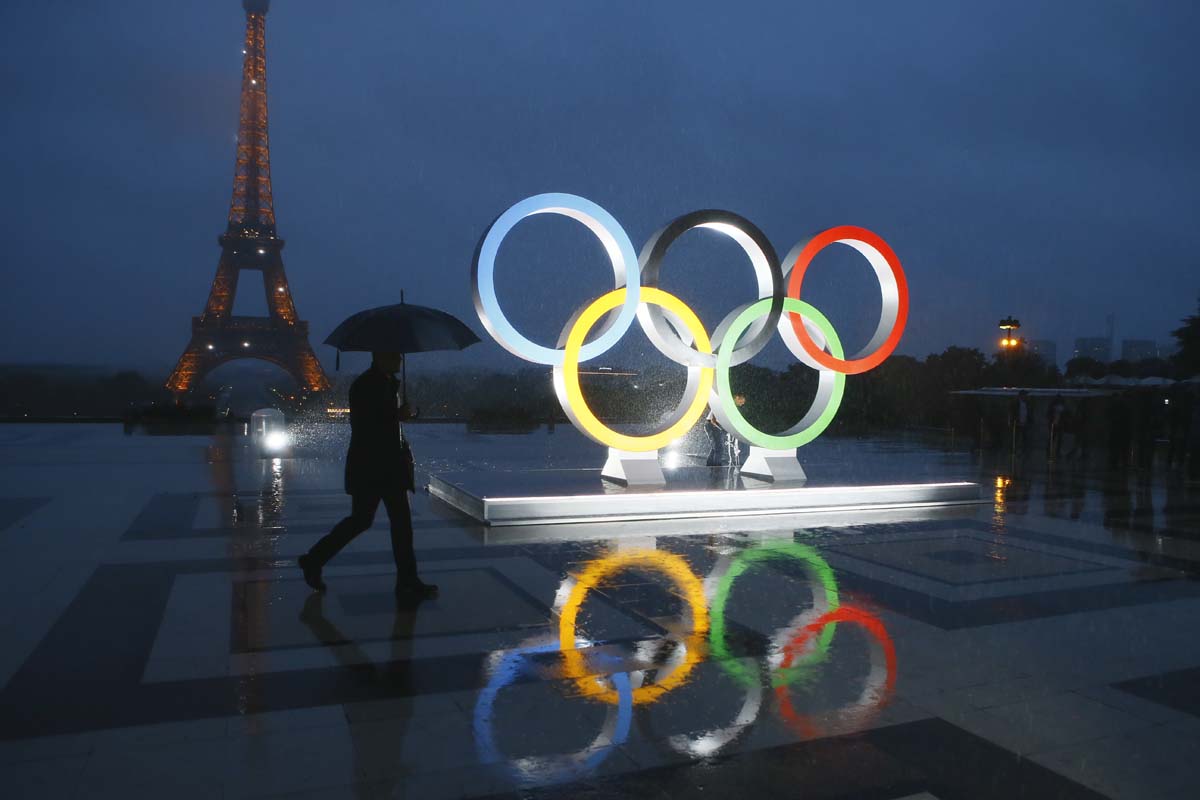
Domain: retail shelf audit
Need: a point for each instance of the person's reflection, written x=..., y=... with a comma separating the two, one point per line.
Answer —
x=1117, y=504
x=1181, y=509
x=725, y=477
x=1054, y=494
x=1077, y=491
x=1017, y=495
x=1143, y=504
x=251, y=598
x=376, y=767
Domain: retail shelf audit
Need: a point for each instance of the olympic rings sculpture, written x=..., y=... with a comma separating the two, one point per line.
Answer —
x=675, y=330
x=624, y=683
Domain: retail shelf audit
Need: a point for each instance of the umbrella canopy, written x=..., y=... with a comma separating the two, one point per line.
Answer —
x=402, y=328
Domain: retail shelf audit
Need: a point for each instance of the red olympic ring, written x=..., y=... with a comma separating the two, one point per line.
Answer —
x=802, y=723
x=899, y=301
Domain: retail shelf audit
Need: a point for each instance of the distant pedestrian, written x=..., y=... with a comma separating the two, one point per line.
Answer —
x=1020, y=418
x=378, y=469
x=723, y=447
x=1054, y=418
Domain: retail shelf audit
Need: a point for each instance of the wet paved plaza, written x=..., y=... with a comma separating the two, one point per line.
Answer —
x=159, y=640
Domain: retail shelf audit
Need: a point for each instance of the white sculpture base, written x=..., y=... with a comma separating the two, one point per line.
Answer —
x=633, y=469
x=773, y=465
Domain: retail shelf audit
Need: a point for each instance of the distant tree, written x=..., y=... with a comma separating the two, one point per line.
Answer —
x=889, y=397
x=1153, y=368
x=1021, y=368
x=1121, y=367
x=954, y=369
x=1085, y=367
x=1188, y=357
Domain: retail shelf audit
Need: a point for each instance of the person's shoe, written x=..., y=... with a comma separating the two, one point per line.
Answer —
x=312, y=573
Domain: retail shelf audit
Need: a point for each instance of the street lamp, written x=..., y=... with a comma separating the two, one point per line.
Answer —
x=1009, y=339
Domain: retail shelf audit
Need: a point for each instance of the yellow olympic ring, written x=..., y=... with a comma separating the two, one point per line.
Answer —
x=670, y=565
x=569, y=375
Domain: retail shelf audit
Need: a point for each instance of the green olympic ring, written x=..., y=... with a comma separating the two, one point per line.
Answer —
x=807, y=429
x=747, y=558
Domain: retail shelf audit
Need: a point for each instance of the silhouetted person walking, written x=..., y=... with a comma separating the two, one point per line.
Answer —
x=378, y=469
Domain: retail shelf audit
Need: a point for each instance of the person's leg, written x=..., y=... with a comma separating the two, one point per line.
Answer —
x=400, y=519
x=362, y=514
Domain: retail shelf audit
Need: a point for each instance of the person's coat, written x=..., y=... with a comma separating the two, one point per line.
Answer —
x=376, y=463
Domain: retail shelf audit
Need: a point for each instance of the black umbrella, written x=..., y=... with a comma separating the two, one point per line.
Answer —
x=402, y=328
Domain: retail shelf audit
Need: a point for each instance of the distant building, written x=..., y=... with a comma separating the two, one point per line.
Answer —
x=1046, y=349
x=1138, y=349
x=1098, y=348
x=1168, y=349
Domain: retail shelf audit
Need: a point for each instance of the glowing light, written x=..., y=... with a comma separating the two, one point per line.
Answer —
x=279, y=289
x=566, y=375
x=276, y=440
x=245, y=344
x=253, y=82
x=262, y=252
x=210, y=347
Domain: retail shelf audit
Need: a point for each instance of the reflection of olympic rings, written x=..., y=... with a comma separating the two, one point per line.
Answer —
x=881, y=680
x=504, y=668
x=722, y=583
x=676, y=332
x=690, y=588
x=660, y=665
x=707, y=743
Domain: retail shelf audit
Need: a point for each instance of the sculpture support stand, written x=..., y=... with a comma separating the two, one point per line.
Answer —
x=633, y=469
x=773, y=465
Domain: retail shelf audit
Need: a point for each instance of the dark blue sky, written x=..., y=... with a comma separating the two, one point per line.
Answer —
x=1038, y=159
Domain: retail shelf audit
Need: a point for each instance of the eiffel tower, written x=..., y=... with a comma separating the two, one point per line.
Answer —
x=250, y=244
